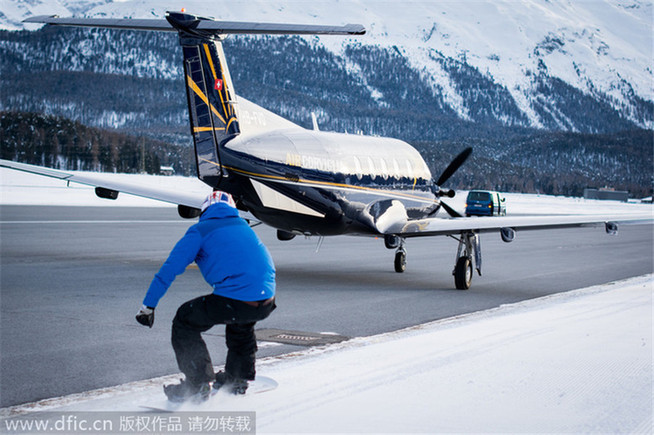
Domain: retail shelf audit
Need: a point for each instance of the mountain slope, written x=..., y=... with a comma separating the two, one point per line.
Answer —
x=544, y=60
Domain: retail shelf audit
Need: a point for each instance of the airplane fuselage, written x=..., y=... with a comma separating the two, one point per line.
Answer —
x=321, y=183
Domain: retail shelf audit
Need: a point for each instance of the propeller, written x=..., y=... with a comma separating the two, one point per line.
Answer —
x=454, y=166
x=451, y=211
x=447, y=173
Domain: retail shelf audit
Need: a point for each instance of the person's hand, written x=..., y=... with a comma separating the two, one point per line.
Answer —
x=145, y=316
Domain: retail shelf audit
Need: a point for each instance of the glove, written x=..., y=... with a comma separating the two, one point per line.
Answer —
x=145, y=316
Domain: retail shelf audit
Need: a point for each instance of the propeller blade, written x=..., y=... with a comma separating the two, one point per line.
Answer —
x=451, y=211
x=454, y=166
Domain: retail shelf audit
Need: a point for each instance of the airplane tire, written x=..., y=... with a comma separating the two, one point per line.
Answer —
x=463, y=273
x=400, y=261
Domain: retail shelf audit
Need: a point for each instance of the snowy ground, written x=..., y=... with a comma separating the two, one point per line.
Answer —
x=574, y=362
x=578, y=362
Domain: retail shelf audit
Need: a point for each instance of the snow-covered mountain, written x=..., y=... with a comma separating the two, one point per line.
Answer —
x=529, y=51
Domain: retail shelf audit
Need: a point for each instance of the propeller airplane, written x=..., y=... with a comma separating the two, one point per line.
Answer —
x=300, y=181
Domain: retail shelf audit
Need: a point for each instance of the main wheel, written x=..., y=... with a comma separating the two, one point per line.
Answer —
x=463, y=273
x=400, y=261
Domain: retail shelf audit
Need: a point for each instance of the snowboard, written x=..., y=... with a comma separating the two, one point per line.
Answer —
x=261, y=384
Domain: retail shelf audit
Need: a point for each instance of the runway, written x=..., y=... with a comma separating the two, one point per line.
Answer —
x=73, y=278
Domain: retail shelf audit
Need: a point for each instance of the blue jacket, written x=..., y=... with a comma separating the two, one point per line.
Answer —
x=229, y=254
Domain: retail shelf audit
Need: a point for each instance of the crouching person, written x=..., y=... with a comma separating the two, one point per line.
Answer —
x=240, y=270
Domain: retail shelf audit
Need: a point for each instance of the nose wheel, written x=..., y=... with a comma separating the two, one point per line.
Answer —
x=400, y=260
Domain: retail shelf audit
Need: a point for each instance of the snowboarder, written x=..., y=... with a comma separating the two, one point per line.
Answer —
x=238, y=266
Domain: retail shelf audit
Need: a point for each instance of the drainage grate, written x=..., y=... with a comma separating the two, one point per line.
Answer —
x=298, y=338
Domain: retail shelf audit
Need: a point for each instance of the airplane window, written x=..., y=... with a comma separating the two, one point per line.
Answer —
x=410, y=169
x=357, y=168
x=371, y=168
x=396, y=168
x=384, y=169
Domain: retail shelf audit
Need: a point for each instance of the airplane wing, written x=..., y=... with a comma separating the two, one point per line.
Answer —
x=191, y=200
x=188, y=203
x=208, y=25
x=442, y=226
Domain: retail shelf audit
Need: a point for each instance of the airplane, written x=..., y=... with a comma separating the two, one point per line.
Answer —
x=301, y=181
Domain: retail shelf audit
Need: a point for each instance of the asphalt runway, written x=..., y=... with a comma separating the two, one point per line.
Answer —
x=72, y=279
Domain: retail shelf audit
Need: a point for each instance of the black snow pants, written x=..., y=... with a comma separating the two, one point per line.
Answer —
x=199, y=315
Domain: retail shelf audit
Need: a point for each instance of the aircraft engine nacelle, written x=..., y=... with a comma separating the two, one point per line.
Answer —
x=386, y=215
x=284, y=236
x=102, y=192
x=187, y=212
x=611, y=228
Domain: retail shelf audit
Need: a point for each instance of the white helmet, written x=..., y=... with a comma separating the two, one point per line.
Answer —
x=218, y=196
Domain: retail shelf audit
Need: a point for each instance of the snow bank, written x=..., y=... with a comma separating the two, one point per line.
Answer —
x=574, y=362
x=578, y=362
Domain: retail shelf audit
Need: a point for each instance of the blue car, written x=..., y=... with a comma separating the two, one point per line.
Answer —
x=485, y=203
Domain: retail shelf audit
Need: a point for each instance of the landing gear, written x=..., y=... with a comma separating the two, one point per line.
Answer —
x=391, y=241
x=463, y=273
x=400, y=260
x=468, y=256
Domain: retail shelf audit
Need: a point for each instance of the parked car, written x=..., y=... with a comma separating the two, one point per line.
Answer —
x=485, y=203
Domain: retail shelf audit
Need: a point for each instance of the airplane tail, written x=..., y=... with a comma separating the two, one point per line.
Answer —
x=211, y=99
x=213, y=112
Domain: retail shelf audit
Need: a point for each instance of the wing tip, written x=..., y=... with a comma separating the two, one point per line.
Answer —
x=41, y=19
x=178, y=20
x=355, y=29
